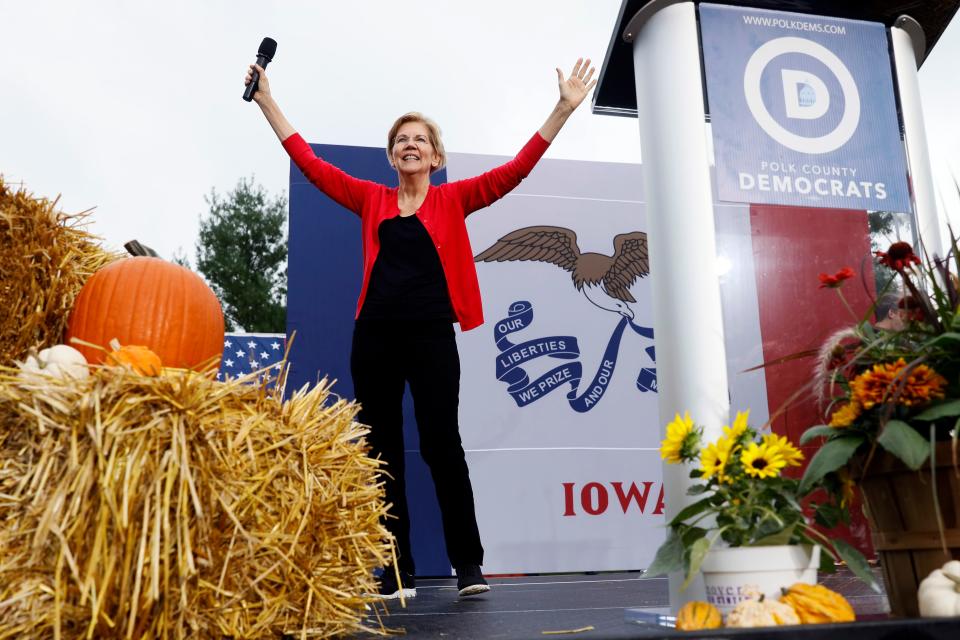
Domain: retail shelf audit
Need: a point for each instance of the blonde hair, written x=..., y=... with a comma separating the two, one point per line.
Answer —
x=433, y=132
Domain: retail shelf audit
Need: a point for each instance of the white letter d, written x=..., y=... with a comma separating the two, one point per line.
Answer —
x=804, y=94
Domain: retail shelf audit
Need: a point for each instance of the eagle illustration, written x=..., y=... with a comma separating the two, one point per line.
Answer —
x=604, y=280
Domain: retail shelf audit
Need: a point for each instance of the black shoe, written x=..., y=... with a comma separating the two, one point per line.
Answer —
x=390, y=590
x=470, y=581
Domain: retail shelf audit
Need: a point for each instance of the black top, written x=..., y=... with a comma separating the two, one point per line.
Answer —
x=407, y=282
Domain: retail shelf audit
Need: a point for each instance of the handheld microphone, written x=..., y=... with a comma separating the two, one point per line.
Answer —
x=268, y=49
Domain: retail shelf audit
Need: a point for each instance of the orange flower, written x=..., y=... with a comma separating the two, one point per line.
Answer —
x=845, y=415
x=836, y=280
x=875, y=385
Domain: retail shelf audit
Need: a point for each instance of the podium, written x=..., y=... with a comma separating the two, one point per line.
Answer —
x=655, y=70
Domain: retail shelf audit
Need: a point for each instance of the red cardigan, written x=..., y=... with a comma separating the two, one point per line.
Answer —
x=442, y=214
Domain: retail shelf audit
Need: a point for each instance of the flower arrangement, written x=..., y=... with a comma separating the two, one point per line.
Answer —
x=747, y=500
x=892, y=386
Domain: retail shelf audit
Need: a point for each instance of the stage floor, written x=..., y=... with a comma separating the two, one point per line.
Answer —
x=594, y=606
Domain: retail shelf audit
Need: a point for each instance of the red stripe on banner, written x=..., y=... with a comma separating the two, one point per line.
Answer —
x=791, y=247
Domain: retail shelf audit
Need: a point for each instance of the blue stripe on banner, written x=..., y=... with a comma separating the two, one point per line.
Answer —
x=524, y=392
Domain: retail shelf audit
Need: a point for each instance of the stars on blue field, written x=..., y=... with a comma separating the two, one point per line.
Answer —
x=244, y=353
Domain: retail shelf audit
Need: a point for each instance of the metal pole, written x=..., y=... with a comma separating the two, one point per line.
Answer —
x=918, y=156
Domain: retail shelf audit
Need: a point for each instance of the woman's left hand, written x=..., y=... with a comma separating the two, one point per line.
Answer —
x=575, y=88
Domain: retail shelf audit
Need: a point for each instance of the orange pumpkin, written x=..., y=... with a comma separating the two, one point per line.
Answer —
x=151, y=302
x=138, y=357
x=816, y=604
x=698, y=615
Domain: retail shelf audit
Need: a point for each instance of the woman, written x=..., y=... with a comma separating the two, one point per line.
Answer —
x=418, y=279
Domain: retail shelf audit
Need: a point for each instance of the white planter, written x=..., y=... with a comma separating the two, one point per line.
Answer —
x=728, y=571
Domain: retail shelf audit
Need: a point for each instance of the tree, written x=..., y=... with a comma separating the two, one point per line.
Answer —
x=180, y=258
x=242, y=252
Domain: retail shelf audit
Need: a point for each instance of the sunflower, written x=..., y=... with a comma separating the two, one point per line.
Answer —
x=780, y=446
x=682, y=441
x=874, y=385
x=714, y=458
x=739, y=426
x=845, y=415
x=762, y=461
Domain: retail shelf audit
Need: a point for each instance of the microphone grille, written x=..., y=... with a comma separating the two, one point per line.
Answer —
x=268, y=48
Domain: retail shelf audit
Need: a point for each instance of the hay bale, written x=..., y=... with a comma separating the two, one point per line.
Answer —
x=45, y=257
x=179, y=506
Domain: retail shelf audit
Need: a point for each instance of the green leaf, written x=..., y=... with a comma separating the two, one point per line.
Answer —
x=669, y=557
x=946, y=409
x=697, y=489
x=691, y=535
x=781, y=537
x=856, y=562
x=903, y=441
x=831, y=456
x=827, y=565
x=698, y=552
x=691, y=510
x=819, y=431
x=949, y=336
x=828, y=515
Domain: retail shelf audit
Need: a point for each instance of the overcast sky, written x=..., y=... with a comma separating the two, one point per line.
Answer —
x=134, y=108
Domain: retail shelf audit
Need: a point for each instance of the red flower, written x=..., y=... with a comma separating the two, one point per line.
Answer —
x=898, y=256
x=836, y=280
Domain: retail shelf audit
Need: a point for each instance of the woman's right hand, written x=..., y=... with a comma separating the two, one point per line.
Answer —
x=263, y=84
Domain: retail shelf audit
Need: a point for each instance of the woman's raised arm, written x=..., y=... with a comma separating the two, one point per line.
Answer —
x=572, y=92
x=270, y=108
x=342, y=187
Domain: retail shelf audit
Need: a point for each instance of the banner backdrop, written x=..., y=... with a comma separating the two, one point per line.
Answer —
x=558, y=405
x=803, y=110
x=559, y=408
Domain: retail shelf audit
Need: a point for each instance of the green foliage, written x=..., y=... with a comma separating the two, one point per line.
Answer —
x=903, y=441
x=856, y=563
x=835, y=453
x=242, y=252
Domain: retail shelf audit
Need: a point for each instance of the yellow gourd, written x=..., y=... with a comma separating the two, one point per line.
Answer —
x=698, y=615
x=760, y=612
x=137, y=357
x=815, y=604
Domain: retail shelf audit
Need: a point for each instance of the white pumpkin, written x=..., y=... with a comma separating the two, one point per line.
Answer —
x=59, y=361
x=939, y=593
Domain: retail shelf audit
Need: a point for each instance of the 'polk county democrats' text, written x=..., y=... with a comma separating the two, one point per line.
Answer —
x=806, y=179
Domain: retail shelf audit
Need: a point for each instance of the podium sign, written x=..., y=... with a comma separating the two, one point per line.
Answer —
x=803, y=110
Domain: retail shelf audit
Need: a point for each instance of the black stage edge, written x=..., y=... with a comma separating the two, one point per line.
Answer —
x=616, y=93
x=521, y=608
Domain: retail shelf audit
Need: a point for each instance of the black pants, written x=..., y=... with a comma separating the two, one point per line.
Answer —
x=385, y=355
